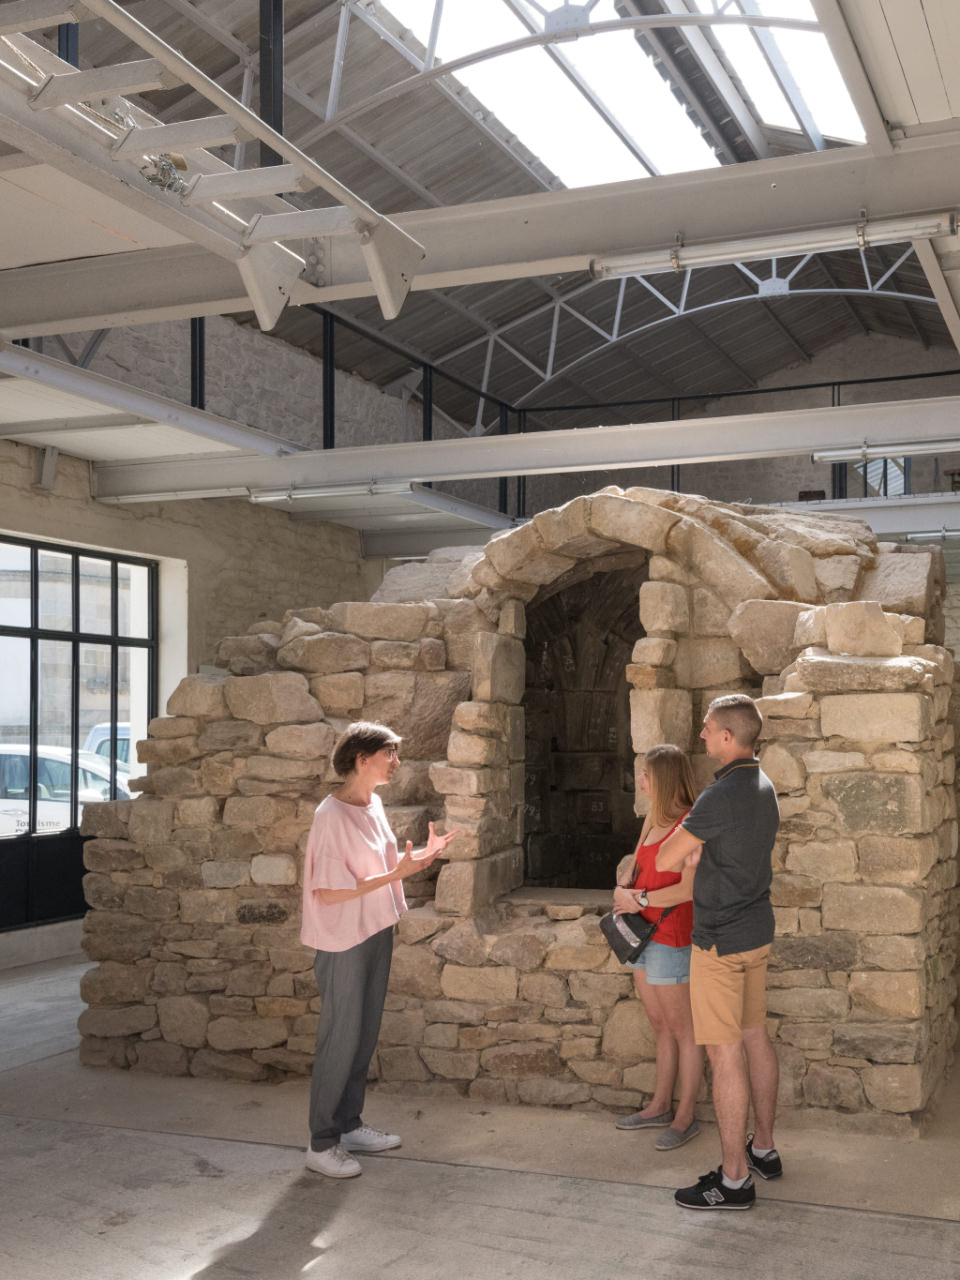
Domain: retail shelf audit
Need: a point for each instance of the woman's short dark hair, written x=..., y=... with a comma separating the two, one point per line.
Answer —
x=362, y=738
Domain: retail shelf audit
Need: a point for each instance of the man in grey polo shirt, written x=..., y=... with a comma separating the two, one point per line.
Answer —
x=729, y=836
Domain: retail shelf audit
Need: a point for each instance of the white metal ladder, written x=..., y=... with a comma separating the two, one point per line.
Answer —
x=64, y=97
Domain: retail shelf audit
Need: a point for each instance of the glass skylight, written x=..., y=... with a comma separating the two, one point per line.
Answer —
x=530, y=94
x=533, y=98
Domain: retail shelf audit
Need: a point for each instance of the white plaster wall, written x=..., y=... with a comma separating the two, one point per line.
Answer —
x=241, y=561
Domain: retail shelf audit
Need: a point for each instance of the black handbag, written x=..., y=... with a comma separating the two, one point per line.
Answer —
x=629, y=932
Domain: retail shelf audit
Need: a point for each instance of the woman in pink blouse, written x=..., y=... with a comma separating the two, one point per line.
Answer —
x=352, y=898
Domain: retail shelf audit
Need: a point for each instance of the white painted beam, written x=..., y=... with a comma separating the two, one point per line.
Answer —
x=847, y=57
x=523, y=236
x=95, y=390
x=101, y=82
x=33, y=15
x=910, y=513
x=761, y=435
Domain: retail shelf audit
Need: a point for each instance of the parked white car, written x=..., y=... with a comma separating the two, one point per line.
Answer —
x=53, y=786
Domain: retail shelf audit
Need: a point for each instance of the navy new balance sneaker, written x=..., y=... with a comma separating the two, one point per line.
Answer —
x=710, y=1193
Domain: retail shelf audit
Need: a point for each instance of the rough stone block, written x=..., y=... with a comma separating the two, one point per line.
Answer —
x=886, y=995
x=654, y=651
x=273, y=868
x=836, y=1088
x=822, y=672
x=462, y=944
x=566, y=531
x=404, y=622
x=664, y=607
x=544, y=988
x=823, y=860
x=710, y=558
x=339, y=693
x=882, y=803
x=631, y=521
x=791, y=890
x=227, y=1034
x=452, y=1064
x=151, y=821
x=785, y=770
x=893, y=952
x=524, y=951
x=889, y=860
x=872, y=909
x=183, y=1020
x=553, y=1093
x=464, y=887
x=627, y=1035
x=817, y=1004
x=199, y=696
x=323, y=654
x=877, y=717
x=161, y=1059
x=415, y=972
x=764, y=631
x=112, y=983
x=499, y=670
x=460, y=982
x=471, y=749
x=894, y=1088
x=279, y=697
x=660, y=715
x=513, y=619
x=901, y=583
x=208, y=1065
x=402, y=1027
x=301, y=741
x=837, y=577
x=108, y=1023
x=522, y=1060
x=861, y=628
x=708, y=663
x=709, y=616
x=880, y=1041
x=520, y=555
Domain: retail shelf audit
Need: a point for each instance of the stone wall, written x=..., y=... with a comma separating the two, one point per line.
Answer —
x=504, y=993
x=240, y=559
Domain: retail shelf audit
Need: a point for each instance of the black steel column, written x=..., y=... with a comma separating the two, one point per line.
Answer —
x=675, y=477
x=198, y=362
x=68, y=43
x=271, y=73
x=521, y=480
x=328, y=380
x=503, y=429
x=426, y=399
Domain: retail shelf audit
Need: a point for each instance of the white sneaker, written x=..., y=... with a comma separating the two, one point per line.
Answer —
x=335, y=1162
x=366, y=1138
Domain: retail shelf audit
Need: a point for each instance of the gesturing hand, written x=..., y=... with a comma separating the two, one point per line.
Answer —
x=416, y=860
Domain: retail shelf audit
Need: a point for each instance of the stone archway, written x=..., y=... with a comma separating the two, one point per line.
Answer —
x=499, y=992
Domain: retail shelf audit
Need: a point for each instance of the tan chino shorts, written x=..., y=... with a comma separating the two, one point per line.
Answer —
x=728, y=994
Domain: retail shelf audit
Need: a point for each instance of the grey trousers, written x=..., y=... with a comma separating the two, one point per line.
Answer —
x=353, y=986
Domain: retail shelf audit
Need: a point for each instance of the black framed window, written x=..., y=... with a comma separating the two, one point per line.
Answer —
x=78, y=680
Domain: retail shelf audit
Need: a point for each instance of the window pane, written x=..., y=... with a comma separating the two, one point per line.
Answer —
x=56, y=591
x=14, y=735
x=133, y=603
x=95, y=614
x=96, y=673
x=54, y=724
x=14, y=585
x=133, y=707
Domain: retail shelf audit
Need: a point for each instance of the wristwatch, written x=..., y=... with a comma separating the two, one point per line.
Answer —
x=642, y=901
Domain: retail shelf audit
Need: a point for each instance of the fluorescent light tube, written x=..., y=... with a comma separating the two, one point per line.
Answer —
x=870, y=452
x=358, y=490
x=790, y=244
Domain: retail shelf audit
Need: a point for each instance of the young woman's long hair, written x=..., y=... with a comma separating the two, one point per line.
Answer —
x=671, y=785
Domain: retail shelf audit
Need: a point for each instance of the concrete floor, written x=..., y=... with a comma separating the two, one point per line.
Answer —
x=117, y=1175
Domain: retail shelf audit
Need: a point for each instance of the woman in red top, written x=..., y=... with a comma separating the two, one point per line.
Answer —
x=662, y=971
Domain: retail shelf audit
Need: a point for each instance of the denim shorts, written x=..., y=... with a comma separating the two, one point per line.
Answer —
x=665, y=966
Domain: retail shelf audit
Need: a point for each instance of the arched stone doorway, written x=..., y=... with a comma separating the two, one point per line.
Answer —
x=579, y=801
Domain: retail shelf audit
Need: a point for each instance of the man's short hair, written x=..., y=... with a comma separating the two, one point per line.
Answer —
x=362, y=738
x=738, y=714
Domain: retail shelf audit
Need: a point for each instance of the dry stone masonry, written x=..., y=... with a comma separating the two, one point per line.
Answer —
x=504, y=991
